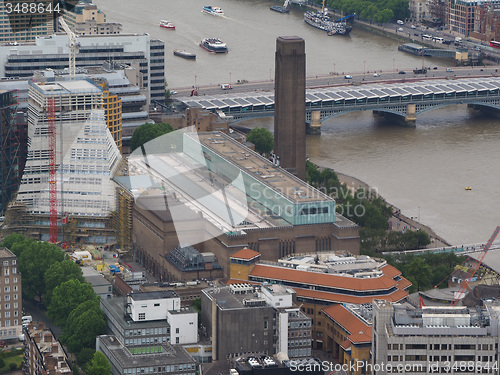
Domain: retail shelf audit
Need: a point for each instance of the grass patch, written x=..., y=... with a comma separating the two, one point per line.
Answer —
x=18, y=360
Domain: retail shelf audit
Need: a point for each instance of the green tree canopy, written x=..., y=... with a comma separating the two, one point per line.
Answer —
x=60, y=272
x=263, y=140
x=147, y=132
x=84, y=324
x=66, y=297
x=99, y=365
x=34, y=259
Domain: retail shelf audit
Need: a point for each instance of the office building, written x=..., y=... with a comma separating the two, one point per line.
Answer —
x=23, y=26
x=148, y=329
x=323, y=279
x=242, y=319
x=268, y=209
x=22, y=60
x=348, y=334
x=10, y=296
x=170, y=359
x=431, y=339
x=290, y=104
x=44, y=354
x=87, y=19
x=144, y=320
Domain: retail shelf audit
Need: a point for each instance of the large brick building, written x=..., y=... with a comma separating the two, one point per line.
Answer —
x=278, y=215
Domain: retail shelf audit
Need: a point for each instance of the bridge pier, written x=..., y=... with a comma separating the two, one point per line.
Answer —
x=314, y=127
x=411, y=116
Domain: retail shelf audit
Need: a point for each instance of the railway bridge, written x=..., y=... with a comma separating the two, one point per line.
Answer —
x=404, y=100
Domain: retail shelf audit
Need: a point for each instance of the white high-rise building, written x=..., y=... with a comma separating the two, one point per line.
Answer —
x=86, y=154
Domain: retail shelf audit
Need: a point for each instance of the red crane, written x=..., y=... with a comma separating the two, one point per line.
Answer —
x=52, y=170
x=473, y=270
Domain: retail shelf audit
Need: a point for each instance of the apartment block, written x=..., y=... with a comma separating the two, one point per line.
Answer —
x=10, y=296
x=435, y=339
x=44, y=354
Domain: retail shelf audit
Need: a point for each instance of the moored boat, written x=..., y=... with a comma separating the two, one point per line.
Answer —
x=281, y=9
x=214, y=11
x=184, y=54
x=322, y=21
x=213, y=45
x=167, y=25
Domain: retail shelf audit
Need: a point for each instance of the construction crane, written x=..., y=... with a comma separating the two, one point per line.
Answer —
x=472, y=270
x=73, y=47
x=52, y=170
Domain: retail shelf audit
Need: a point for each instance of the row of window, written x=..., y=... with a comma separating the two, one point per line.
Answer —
x=442, y=346
x=161, y=369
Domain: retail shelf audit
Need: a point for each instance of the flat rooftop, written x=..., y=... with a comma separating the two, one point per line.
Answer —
x=227, y=300
x=261, y=168
x=116, y=307
x=169, y=355
x=66, y=87
x=161, y=294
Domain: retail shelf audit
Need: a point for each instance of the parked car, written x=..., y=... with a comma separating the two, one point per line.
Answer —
x=376, y=75
x=413, y=26
x=402, y=72
x=347, y=76
x=400, y=29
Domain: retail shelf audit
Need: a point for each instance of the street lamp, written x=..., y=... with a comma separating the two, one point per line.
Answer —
x=230, y=78
x=393, y=62
x=195, y=83
x=364, y=67
x=334, y=68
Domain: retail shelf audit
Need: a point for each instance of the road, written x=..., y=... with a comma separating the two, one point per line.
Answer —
x=338, y=79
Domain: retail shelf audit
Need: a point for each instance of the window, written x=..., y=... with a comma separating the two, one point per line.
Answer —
x=5, y=262
x=6, y=289
x=6, y=272
x=6, y=280
x=177, y=330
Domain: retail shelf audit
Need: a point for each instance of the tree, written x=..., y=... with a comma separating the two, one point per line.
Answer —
x=419, y=273
x=263, y=140
x=34, y=260
x=66, y=297
x=84, y=356
x=148, y=132
x=83, y=325
x=99, y=365
x=59, y=273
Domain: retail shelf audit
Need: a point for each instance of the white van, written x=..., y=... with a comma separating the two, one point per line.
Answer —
x=225, y=86
x=27, y=320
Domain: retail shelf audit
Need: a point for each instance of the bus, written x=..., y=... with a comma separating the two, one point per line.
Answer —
x=426, y=37
x=494, y=44
x=437, y=39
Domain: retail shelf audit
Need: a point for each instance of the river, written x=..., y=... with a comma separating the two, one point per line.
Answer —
x=423, y=171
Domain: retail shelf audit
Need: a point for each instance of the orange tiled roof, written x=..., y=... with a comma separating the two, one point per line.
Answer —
x=360, y=332
x=277, y=273
x=346, y=345
x=390, y=271
x=245, y=253
x=403, y=283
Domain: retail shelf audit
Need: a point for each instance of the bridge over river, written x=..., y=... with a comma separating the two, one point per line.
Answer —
x=404, y=100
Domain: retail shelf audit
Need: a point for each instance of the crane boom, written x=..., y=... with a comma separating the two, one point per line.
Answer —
x=73, y=45
x=473, y=270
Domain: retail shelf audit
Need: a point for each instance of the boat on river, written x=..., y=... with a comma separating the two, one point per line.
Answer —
x=184, y=54
x=281, y=9
x=321, y=20
x=213, y=45
x=167, y=25
x=214, y=11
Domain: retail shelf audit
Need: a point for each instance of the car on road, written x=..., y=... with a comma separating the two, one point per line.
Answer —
x=402, y=72
x=416, y=34
x=399, y=22
x=347, y=76
x=484, y=44
x=376, y=75
x=449, y=70
x=400, y=29
x=435, y=68
x=173, y=92
x=413, y=26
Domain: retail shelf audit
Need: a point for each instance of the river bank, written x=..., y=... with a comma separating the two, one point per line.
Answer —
x=398, y=221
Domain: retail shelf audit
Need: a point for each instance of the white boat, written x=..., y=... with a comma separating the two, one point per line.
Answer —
x=214, y=11
x=167, y=24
